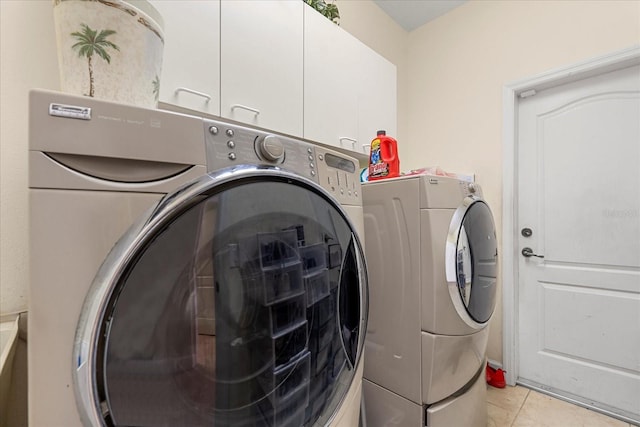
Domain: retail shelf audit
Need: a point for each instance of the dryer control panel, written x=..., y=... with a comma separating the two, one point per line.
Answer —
x=470, y=189
x=444, y=192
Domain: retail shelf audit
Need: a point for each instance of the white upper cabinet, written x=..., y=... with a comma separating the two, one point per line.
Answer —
x=349, y=89
x=276, y=64
x=377, y=97
x=261, y=63
x=191, y=58
x=330, y=83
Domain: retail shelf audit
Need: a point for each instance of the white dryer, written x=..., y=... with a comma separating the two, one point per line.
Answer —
x=161, y=294
x=432, y=258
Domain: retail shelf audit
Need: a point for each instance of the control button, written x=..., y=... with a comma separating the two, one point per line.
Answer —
x=229, y=133
x=310, y=158
x=231, y=144
x=356, y=194
x=311, y=165
x=270, y=147
x=320, y=157
x=341, y=191
x=213, y=130
x=232, y=156
x=309, y=150
x=349, y=192
x=313, y=173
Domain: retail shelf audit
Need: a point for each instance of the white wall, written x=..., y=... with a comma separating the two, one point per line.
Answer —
x=28, y=60
x=459, y=63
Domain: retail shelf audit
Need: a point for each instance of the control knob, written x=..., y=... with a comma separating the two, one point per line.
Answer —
x=270, y=147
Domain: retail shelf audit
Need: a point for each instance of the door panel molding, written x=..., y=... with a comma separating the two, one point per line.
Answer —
x=512, y=93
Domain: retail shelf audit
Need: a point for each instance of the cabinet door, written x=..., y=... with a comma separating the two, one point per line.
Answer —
x=330, y=82
x=261, y=63
x=377, y=100
x=191, y=64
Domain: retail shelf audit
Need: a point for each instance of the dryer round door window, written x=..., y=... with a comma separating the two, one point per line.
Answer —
x=241, y=301
x=471, y=259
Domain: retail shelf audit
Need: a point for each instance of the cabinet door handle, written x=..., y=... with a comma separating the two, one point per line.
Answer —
x=366, y=148
x=346, y=138
x=194, y=92
x=244, y=107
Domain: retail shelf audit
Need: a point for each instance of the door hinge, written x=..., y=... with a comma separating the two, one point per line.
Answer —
x=528, y=93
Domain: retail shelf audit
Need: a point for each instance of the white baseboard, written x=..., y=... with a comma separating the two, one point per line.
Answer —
x=494, y=364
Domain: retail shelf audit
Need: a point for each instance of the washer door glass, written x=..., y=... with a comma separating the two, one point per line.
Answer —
x=476, y=257
x=241, y=307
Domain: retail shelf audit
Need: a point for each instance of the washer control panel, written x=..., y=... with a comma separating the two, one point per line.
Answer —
x=339, y=175
x=229, y=144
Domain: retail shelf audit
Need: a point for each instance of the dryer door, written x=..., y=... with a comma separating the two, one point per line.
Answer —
x=239, y=301
x=471, y=262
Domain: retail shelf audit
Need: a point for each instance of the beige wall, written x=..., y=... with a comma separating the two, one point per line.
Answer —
x=28, y=60
x=459, y=63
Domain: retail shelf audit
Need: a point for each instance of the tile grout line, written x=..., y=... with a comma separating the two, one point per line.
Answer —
x=520, y=408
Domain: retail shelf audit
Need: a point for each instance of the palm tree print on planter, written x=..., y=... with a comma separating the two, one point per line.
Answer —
x=156, y=87
x=92, y=42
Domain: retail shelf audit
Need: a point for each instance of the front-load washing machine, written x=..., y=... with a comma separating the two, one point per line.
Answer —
x=189, y=271
x=432, y=257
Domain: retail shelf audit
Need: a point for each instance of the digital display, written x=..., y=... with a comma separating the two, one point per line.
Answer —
x=340, y=163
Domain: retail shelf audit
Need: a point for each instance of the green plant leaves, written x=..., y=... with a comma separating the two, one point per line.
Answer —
x=329, y=10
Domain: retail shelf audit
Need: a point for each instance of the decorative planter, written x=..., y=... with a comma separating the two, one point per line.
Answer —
x=110, y=49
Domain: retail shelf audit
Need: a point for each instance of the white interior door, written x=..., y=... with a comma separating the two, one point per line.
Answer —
x=579, y=194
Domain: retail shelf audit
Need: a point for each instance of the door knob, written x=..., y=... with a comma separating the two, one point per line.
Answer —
x=528, y=253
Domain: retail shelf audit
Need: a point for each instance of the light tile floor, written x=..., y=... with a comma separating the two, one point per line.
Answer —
x=521, y=407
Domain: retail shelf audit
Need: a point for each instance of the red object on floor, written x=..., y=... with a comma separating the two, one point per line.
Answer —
x=489, y=373
x=495, y=377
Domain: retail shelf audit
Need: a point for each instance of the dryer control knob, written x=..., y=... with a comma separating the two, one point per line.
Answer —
x=270, y=147
x=472, y=188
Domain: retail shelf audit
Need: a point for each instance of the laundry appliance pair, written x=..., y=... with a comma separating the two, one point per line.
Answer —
x=187, y=271
x=432, y=260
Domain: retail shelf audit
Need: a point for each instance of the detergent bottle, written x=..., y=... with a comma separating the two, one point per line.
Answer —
x=383, y=159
